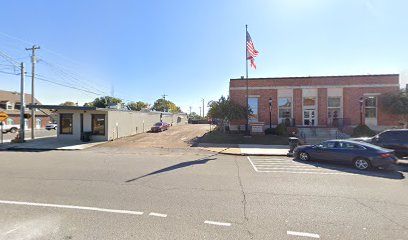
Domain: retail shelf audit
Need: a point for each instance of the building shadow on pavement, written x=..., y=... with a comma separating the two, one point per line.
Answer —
x=393, y=172
x=175, y=167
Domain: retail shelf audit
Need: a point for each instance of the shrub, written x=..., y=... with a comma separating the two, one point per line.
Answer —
x=363, y=131
x=281, y=130
x=270, y=131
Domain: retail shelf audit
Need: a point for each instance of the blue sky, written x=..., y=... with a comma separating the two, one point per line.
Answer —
x=190, y=49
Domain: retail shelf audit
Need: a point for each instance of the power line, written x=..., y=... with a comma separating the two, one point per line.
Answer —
x=66, y=75
x=9, y=59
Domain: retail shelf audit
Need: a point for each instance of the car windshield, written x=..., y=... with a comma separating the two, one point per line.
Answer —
x=158, y=124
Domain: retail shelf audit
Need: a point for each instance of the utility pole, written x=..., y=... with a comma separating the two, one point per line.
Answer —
x=200, y=111
x=33, y=61
x=164, y=96
x=22, y=104
x=203, y=106
x=190, y=111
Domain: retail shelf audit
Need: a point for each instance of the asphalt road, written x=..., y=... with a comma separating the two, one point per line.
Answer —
x=38, y=133
x=186, y=193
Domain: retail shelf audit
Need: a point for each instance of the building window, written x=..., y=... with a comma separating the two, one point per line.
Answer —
x=309, y=102
x=371, y=107
x=285, y=107
x=334, y=107
x=10, y=121
x=98, y=124
x=253, y=105
x=66, y=123
x=9, y=106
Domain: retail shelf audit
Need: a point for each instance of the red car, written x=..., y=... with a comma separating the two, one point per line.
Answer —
x=160, y=126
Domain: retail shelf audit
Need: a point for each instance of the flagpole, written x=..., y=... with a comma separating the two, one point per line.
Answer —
x=246, y=63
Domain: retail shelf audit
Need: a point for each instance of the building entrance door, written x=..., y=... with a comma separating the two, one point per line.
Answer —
x=309, y=117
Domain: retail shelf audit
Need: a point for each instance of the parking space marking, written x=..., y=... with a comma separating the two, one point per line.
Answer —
x=71, y=207
x=303, y=234
x=218, y=223
x=12, y=230
x=158, y=214
x=282, y=165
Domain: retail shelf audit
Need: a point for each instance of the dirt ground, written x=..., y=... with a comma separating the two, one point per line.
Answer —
x=182, y=136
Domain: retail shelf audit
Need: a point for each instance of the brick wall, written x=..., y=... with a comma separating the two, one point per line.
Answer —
x=351, y=95
x=322, y=106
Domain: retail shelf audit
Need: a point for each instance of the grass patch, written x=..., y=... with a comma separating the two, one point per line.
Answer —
x=219, y=137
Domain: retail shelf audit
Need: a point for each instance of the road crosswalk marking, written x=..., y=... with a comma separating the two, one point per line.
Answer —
x=288, y=165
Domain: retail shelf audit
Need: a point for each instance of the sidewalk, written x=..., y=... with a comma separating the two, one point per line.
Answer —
x=48, y=144
x=246, y=149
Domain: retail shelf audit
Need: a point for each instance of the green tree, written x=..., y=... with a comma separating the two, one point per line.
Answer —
x=137, y=106
x=195, y=116
x=163, y=105
x=103, y=102
x=226, y=110
x=397, y=103
x=68, y=103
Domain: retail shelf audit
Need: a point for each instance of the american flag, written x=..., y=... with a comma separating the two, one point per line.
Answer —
x=252, y=53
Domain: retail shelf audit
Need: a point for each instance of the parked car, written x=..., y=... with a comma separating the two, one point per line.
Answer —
x=10, y=128
x=160, y=126
x=361, y=154
x=396, y=139
x=51, y=126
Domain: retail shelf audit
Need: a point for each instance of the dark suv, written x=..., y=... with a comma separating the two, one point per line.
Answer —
x=396, y=139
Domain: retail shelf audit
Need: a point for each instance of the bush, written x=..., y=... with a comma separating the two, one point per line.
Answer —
x=363, y=131
x=281, y=130
x=270, y=131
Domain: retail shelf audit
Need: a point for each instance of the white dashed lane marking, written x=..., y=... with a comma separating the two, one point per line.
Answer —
x=303, y=234
x=218, y=223
x=158, y=214
x=287, y=165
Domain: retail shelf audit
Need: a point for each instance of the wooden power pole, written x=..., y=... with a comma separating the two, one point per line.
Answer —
x=33, y=61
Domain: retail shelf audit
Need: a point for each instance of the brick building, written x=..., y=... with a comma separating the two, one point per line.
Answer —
x=325, y=101
x=10, y=104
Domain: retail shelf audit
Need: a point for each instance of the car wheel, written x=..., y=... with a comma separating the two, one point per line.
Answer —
x=361, y=164
x=304, y=156
x=13, y=130
x=55, y=128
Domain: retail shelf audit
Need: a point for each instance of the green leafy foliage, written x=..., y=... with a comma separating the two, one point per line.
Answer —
x=103, y=102
x=137, y=106
x=68, y=103
x=363, y=131
x=226, y=110
x=281, y=130
x=163, y=105
x=270, y=131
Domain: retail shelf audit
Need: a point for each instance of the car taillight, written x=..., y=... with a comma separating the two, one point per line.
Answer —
x=386, y=155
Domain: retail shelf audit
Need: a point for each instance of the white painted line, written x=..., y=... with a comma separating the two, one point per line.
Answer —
x=71, y=207
x=286, y=165
x=218, y=223
x=305, y=172
x=158, y=214
x=10, y=231
x=249, y=159
x=290, y=168
x=303, y=234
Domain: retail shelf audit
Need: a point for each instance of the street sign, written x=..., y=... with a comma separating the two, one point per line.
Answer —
x=3, y=116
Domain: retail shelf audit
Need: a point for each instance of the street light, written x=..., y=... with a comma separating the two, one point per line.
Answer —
x=361, y=110
x=270, y=112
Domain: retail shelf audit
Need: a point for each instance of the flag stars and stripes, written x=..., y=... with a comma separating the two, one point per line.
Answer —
x=252, y=53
